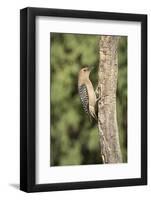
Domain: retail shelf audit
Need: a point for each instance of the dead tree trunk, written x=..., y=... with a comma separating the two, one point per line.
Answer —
x=107, y=85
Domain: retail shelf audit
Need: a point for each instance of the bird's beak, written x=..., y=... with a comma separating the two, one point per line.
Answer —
x=91, y=68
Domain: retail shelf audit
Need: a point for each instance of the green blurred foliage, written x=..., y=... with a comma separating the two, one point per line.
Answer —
x=122, y=95
x=74, y=140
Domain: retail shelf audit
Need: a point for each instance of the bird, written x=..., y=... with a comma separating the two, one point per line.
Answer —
x=87, y=93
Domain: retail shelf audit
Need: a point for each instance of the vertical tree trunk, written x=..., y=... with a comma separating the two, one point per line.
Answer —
x=107, y=85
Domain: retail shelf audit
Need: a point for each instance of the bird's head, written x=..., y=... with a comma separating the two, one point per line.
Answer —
x=85, y=72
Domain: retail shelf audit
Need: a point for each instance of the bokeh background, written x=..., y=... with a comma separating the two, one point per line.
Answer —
x=74, y=140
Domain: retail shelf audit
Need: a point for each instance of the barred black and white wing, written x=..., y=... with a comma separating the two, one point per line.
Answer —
x=84, y=97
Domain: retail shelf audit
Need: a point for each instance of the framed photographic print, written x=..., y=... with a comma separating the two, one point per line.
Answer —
x=83, y=99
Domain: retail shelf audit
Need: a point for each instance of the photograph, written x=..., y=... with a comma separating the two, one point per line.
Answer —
x=75, y=93
x=83, y=84
x=88, y=99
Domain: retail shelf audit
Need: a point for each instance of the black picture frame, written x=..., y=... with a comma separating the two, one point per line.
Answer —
x=28, y=98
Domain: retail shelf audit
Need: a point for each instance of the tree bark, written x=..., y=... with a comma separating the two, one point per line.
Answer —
x=107, y=85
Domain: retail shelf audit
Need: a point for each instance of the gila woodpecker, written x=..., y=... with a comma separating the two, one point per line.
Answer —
x=86, y=92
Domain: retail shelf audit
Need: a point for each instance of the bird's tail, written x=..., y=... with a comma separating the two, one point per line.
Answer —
x=93, y=113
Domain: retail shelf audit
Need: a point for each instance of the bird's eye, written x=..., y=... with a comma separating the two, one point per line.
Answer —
x=84, y=70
